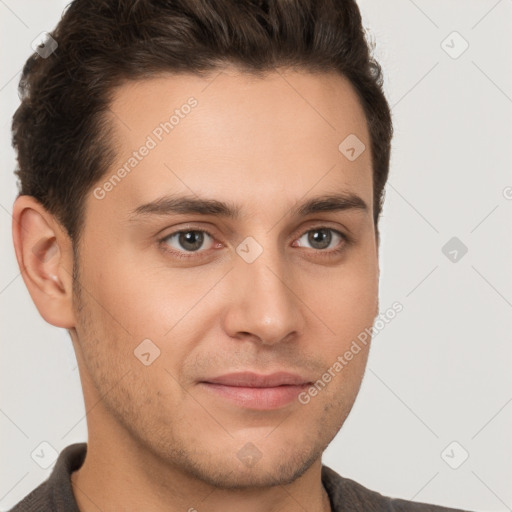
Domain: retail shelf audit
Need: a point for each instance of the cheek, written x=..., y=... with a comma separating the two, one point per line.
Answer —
x=144, y=300
x=346, y=311
x=138, y=294
x=346, y=297
x=170, y=308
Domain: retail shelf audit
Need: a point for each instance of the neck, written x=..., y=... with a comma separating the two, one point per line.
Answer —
x=120, y=475
x=110, y=483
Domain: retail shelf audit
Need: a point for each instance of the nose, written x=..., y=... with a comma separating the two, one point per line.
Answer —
x=265, y=301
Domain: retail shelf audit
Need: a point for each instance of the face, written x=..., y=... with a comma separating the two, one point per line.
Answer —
x=172, y=297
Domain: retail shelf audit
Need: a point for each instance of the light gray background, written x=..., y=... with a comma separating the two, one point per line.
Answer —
x=440, y=371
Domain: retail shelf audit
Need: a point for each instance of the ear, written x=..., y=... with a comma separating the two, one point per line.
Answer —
x=45, y=258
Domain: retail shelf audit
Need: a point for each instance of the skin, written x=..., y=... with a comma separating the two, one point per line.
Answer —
x=266, y=146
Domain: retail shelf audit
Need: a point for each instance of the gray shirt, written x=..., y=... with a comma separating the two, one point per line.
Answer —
x=56, y=495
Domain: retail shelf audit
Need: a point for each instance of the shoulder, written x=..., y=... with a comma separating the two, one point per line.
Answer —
x=55, y=494
x=39, y=500
x=348, y=495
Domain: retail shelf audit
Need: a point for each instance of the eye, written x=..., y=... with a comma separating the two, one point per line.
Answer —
x=190, y=240
x=321, y=238
x=186, y=242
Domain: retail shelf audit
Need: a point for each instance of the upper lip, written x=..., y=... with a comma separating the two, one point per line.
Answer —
x=255, y=380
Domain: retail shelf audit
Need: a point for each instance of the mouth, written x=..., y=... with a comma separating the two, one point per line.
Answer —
x=255, y=391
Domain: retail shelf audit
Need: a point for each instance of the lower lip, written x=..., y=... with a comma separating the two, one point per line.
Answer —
x=256, y=398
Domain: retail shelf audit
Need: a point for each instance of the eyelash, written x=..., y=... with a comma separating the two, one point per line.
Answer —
x=191, y=254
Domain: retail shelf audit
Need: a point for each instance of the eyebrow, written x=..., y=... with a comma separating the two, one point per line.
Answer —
x=173, y=204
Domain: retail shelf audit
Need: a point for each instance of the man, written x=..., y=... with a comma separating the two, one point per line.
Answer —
x=201, y=184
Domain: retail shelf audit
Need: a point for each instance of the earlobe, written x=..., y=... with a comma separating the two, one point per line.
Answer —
x=45, y=258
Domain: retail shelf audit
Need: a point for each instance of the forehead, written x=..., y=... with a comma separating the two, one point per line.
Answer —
x=230, y=100
x=231, y=133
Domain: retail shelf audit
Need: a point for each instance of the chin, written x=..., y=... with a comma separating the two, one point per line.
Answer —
x=264, y=472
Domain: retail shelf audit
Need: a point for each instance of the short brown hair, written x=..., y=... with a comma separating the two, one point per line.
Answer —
x=60, y=130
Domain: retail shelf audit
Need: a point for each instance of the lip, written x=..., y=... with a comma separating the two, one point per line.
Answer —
x=256, y=391
x=256, y=380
